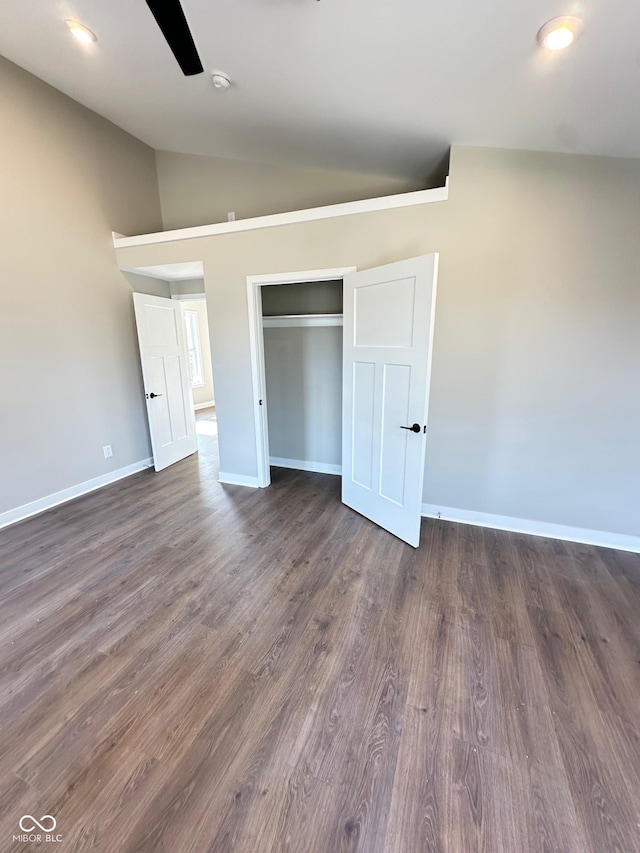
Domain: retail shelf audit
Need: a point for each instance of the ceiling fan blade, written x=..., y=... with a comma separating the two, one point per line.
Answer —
x=172, y=22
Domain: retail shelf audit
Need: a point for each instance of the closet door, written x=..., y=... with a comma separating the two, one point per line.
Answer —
x=388, y=335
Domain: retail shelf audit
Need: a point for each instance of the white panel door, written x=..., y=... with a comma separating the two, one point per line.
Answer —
x=167, y=384
x=388, y=333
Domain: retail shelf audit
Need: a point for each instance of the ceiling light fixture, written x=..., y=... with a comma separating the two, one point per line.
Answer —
x=560, y=32
x=220, y=80
x=81, y=32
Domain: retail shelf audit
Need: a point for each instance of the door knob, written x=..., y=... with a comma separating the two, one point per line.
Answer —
x=414, y=428
x=152, y=395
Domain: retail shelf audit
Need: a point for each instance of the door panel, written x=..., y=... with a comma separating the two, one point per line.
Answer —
x=165, y=370
x=181, y=408
x=161, y=324
x=162, y=421
x=393, y=451
x=373, y=324
x=364, y=374
x=388, y=334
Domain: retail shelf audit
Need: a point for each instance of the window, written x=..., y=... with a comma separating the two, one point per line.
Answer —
x=193, y=347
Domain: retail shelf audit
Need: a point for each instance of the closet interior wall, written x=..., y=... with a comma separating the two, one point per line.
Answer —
x=302, y=327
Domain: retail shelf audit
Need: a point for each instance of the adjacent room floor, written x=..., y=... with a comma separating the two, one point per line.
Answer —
x=188, y=666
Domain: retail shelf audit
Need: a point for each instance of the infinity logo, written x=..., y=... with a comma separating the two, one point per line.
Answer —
x=43, y=824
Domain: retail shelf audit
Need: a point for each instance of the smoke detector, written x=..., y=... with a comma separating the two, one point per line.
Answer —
x=220, y=80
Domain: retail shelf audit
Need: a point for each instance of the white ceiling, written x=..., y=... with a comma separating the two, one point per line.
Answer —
x=378, y=86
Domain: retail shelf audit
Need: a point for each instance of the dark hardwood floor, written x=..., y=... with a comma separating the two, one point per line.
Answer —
x=194, y=667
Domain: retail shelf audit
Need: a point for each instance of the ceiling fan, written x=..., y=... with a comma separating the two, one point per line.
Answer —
x=173, y=24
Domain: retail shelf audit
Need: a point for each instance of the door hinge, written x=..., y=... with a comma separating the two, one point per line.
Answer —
x=259, y=402
x=424, y=428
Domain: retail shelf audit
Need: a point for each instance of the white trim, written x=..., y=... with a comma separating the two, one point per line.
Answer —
x=209, y=405
x=258, y=384
x=301, y=276
x=238, y=480
x=178, y=272
x=303, y=465
x=329, y=211
x=12, y=516
x=283, y=321
x=256, y=345
x=189, y=297
x=621, y=541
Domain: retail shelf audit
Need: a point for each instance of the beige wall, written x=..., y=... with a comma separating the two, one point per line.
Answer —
x=535, y=405
x=364, y=240
x=147, y=284
x=303, y=373
x=68, y=353
x=187, y=287
x=536, y=379
x=197, y=190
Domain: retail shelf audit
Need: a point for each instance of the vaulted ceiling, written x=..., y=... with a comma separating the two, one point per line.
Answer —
x=381, y=86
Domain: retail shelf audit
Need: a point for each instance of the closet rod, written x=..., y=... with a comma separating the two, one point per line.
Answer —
x=283, y=320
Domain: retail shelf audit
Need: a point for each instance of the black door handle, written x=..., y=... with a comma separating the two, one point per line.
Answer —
x=152, y=395
x=414, y=428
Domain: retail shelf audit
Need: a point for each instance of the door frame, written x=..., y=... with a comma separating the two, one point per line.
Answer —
x=256, y=342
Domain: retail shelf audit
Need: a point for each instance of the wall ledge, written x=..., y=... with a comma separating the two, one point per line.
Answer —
x=330, y=211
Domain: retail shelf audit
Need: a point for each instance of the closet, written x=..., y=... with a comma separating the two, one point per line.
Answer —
x=302, y=331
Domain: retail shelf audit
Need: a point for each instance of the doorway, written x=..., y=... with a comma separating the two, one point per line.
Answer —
x=302, y=341
x=388, y=316
x=173, y=335
x=296, y=304
x=198, y=342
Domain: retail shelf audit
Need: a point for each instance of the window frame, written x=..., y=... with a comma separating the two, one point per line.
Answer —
x=194, y=346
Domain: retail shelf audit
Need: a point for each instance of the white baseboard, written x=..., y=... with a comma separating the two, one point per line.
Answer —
x=303, y=465
x=36, y=507
x=621, y=541
x=209, y=405
x=238, y=480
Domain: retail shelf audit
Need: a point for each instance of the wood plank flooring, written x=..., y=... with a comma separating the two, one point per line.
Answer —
x=194, y=667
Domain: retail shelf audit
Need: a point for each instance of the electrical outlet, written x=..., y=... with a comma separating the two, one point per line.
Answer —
x=231, y=216
x=108, y=451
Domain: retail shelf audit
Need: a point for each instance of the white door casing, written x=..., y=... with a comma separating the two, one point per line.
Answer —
x=388, y=335
x=165, y=371
x=255, y=283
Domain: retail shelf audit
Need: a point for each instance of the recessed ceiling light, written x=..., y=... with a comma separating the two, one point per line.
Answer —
x=81, y=32
x=220, y=80
x=560, y=32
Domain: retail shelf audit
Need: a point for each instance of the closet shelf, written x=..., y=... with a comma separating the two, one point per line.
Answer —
x=282, y=320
